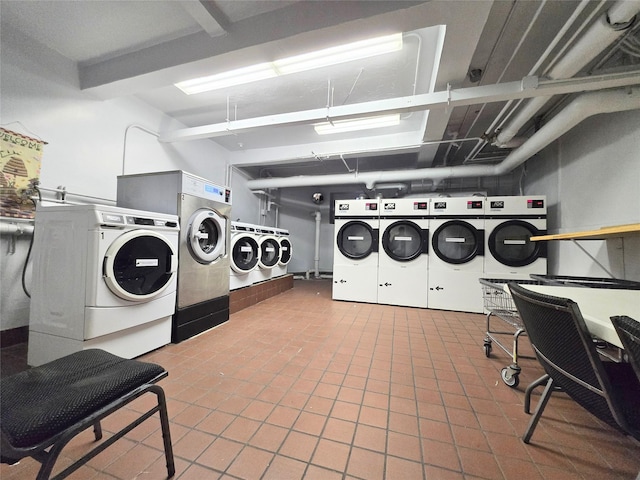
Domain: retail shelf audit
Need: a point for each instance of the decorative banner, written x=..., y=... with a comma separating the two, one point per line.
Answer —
x=20, y=158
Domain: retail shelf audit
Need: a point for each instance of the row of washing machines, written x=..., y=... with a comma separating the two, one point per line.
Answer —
x=431, y=252
x=257, y=253
x=133, y=277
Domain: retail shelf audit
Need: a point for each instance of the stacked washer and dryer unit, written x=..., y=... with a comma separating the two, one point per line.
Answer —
x=202, y=300
x=103, y=277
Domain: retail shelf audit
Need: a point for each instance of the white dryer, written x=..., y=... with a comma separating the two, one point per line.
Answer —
x=245, y=253
x=204, y=209
x=355, y=253
x=286, y=250
x=270, y=252
x=403, y=252
x=456, y=260
x=509, y=224
x=103, y=277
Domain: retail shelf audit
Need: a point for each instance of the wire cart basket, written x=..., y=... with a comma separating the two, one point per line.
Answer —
x=499, y=303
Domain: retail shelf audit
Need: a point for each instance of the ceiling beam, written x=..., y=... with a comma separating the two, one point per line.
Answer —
x=208, y=15
x=528, y=87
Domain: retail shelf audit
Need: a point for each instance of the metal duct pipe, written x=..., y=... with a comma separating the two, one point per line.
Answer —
x=581, y=108
x=316, y=258
x=15, y=228
x=599, y=36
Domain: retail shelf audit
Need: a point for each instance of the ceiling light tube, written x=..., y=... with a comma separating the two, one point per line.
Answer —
x=339, y=54
x=342, y=126
x=240, y=76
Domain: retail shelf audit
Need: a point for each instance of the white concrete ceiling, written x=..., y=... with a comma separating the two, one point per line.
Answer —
x=141, y=48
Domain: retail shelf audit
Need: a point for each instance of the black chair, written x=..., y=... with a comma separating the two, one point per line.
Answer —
x=43, y=408
x=563, y=345
x=628, y=330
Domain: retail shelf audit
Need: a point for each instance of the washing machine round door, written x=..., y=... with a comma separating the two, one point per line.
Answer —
x=404, y=241
x=510, y=245
x=285, y=251
x=269, y=252
x=244, y=254
x=357, y=240
x=139, y=265
x=206, y=236
x=457, y=242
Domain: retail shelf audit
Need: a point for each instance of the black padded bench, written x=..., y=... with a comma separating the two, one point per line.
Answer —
x=43, y=408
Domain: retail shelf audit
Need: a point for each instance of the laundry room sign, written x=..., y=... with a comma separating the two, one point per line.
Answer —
x=20, y=159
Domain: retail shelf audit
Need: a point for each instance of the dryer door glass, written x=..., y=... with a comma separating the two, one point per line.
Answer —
x=285, y=251
x=509, y=243
x=403, y=241
x=206, y=236
x=138, y=265
x=457, y=242
x=244, y=254
x=269, y=252
x=357, y=240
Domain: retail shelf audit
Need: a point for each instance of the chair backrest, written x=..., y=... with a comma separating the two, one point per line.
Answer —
x=564, y=347
x=629, y=332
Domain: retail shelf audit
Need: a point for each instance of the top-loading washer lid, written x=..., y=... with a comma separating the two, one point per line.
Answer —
x=404, y=241
x=139, y=264
x=269, y=252
x=510, y=245
x=206, y=235
x=357, y=240
x=457, y=242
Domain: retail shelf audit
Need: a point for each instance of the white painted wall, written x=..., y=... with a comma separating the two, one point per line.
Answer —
x=85, y=136
x=591, y=177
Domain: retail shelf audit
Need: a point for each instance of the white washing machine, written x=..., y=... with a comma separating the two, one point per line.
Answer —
x=245, y=254
x=286, y=250
x=103, y=277
x=355, y=253
x=509, y=223
x=456, y=258
x=403, y=252
x=270, y=253
x=204, y=209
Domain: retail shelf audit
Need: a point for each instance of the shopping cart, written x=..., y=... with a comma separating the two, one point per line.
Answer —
x=498, y=302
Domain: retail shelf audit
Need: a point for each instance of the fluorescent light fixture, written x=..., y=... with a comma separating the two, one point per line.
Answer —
x=298, y=63
x=342, y=126
x=240, y=76
x=339, y=54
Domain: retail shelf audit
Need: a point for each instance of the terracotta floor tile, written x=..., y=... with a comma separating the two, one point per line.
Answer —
x=479, y=464
x=366, y=464
x=441, y=454
x=283, y=416
x=319, y=473
x=283, y=468
x=269, y=437
x=241, y=429
x=402, y=468
x=339, y=430
x=299, y=445
x=310, y=423
x=376, y=417
x=405, y=446
x=331, y=455
x=346, y=411
x=250, y=463
x=192, y=444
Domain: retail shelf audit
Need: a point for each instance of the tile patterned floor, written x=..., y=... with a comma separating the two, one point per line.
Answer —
x=300, y=386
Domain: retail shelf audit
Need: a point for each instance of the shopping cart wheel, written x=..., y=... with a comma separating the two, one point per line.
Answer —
x=487, y=347
x=510, y=376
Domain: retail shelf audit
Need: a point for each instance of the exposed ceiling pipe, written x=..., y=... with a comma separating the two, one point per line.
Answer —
x=581, y=108
x=601, y=34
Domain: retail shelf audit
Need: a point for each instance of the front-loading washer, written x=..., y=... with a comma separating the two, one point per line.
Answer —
x=509, y=224
x=204, y=208
x=103, y=277
x=270, y=253
x=456, y=261
x=286, y=251
x=403, y=252
x=355, y=252
x=245, y=254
